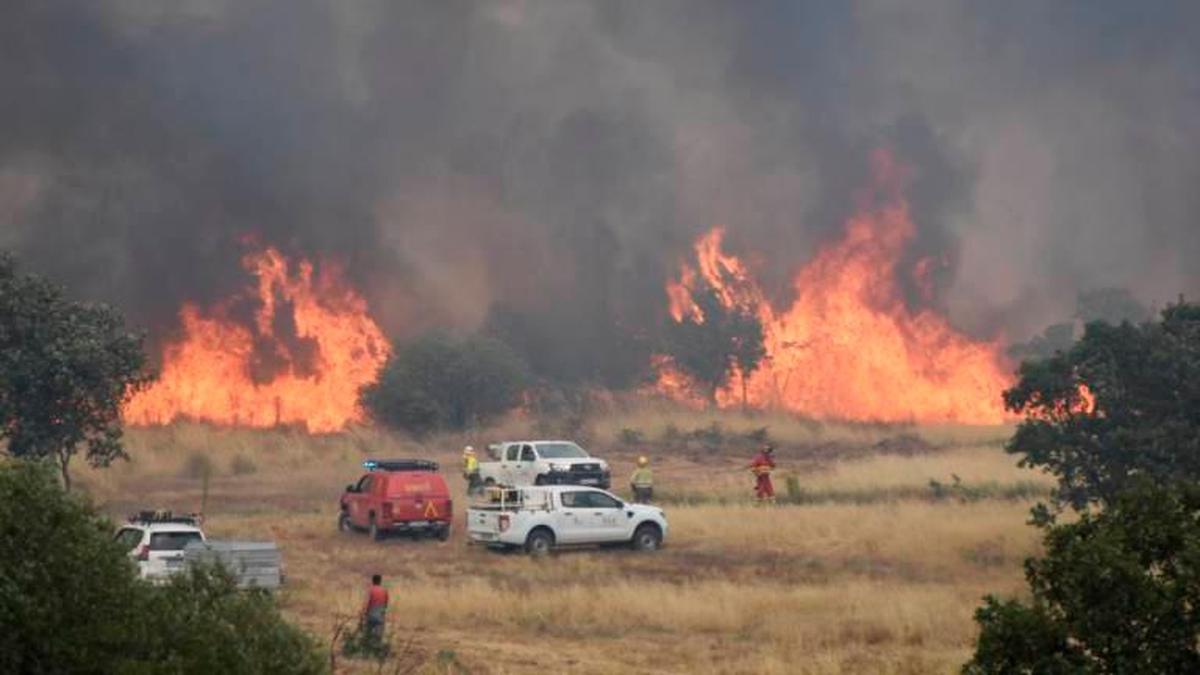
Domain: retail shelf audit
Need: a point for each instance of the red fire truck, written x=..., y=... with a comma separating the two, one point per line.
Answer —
x=401, y=496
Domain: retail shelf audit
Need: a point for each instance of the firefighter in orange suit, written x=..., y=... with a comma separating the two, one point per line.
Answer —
x=761, y=467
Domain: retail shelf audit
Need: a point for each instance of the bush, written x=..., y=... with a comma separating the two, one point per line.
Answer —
x=1116, y=592
x=439, y=382
x=66, y=587
x=243, y=466
x=70, y=599
x=629, y=437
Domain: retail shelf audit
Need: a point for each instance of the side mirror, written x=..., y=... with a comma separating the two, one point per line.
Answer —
x=350, y=487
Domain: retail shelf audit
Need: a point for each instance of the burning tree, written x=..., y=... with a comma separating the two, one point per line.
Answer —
x=65, y=370
x=716, y=342
x=849, y=345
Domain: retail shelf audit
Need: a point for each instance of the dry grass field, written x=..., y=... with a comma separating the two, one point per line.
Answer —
x=869, y=569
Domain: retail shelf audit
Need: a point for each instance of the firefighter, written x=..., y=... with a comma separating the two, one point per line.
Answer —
x=761, y=467
x=642, y=482
x=471, y=471
x=375, y=610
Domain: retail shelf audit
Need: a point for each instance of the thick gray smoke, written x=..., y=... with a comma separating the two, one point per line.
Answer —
x=540, y=166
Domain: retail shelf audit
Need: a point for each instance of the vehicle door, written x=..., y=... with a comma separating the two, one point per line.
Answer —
x=572, y=522
x=357, y=501
x=607, y=516
x=525, y=472
x=166, y=550
x=508, y=463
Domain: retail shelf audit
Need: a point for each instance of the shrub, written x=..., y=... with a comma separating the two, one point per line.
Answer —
x=242, y=466
x=1115, y=593
x=629, y=436
x=70, y=599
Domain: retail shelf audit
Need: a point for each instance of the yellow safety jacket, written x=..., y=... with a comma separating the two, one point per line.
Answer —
x=642, y=477
x=470, y=464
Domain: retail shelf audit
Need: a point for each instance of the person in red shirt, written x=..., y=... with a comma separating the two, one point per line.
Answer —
x=375, y=611
x=761, y=467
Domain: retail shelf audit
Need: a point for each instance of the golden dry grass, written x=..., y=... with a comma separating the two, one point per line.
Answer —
x=881, y=587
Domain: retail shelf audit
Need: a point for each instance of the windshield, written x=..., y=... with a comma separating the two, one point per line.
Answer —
x=560, y=451
x=172, y=541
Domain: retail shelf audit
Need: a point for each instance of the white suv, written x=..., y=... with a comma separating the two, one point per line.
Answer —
x=156, y=541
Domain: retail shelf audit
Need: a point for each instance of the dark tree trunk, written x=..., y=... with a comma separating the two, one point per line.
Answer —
x=64, y=460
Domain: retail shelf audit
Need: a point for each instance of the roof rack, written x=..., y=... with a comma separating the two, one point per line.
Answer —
x=162, y=516
x=400, y=465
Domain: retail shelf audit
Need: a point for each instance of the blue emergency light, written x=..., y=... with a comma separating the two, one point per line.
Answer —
x=399, y=465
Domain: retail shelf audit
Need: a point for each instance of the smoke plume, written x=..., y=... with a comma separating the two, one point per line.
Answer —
x=541, y=166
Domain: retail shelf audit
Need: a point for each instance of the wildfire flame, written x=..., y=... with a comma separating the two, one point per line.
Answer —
x=848, y=347
x=310, y=347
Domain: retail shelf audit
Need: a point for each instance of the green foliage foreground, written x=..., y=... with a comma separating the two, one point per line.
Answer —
x=71, y=602
x=1116, y=592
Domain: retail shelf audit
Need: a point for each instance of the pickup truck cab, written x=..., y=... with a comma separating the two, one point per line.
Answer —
x=540, y=519
x=156, y=541
x=521, y=463
x=397, y=496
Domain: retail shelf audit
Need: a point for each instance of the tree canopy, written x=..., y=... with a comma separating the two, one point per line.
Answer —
x=1116, y=592
x=71, y=601
x=1122, y=403
x=728, y=340
x=65, y=369
x=442, y=382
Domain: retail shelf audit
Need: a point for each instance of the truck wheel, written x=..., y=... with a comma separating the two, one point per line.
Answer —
x=373, y=531
x=443, y=533
x=344, y=523
x=540, y=480
x=647, y=537
x=539, y=542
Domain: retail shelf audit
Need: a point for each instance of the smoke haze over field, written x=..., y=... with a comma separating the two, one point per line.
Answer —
x=545, y=164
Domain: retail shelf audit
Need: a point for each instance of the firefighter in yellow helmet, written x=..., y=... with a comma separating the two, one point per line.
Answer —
x=471, y=471
x=642, y=482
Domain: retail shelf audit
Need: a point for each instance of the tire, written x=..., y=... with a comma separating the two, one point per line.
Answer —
x=373, y=531
x=443, y=533
x=540, y=480
x=344, y=523
x=647, y=537
x=539, y=543
x=489, y=483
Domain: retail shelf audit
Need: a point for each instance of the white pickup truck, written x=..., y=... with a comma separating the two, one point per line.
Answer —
x=520, y=463
x=539, y=519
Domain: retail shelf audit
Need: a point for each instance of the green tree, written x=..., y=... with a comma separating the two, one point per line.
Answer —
x=1143, y=418
x=728, y=339
x=71, y=602
x=65, y=370
x=439, y=381
x=1116, y=592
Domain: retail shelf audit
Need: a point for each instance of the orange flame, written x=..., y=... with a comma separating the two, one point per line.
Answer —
x=849, y=347
x=312, y=345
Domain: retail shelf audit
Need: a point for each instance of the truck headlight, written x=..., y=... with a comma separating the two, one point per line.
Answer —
x=560, y=467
